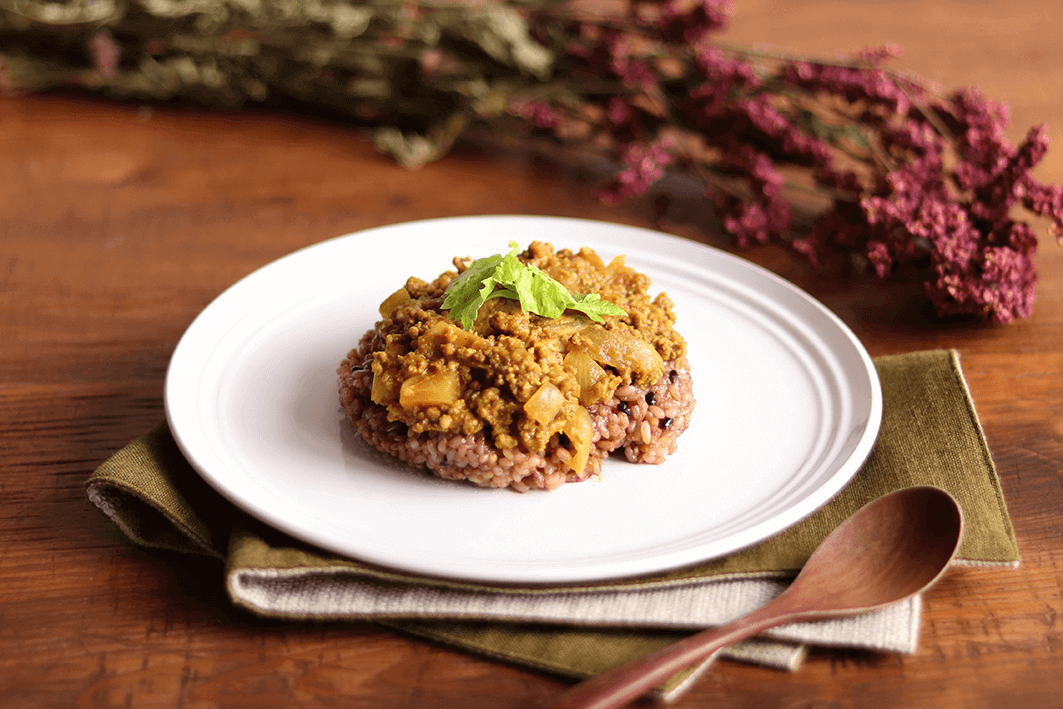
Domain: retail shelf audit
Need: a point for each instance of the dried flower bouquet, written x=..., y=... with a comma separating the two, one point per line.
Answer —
x=913, y=182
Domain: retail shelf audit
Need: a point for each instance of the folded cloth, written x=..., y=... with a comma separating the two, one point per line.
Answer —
x=930, y=436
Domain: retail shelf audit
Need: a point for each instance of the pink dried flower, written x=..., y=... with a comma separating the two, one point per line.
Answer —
x=1046, y=201
x=756, y=167
x=643, y=165
x=755, y=222
x=723, y=77
x=999, y=287
x=693, y=22
x=539, y=113
x=872, y=85
x=105, y=54
x=633, y=72
x=1021, y=238
x=917, y=185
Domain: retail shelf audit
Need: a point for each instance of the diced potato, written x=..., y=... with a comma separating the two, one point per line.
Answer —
x=393, y=301
x=435, y=389
x=544, y=404
x=580, y=431
x=588, y=373
x=623, y=351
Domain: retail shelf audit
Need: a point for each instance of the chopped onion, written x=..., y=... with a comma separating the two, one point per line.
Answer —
x=381, y=393
x=565, y=326
x=544, y=404
x=622, y=350
x=393, y=301
x=592, y=256
x=433, y=389
x=580, y=431
x=587, y=372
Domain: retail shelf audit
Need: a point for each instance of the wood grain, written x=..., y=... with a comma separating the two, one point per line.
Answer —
x=118, y=224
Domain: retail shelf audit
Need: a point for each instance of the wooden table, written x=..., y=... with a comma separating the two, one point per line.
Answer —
x=119, y=224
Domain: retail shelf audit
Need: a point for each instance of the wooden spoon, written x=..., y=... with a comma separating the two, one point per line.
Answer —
x=889, y=550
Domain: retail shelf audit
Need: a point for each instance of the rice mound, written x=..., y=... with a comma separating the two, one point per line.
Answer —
x=644, y=423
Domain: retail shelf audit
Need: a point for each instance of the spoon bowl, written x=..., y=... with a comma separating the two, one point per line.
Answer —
x=889, y=550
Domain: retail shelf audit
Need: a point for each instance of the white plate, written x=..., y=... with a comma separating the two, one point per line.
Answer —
x=788, y=408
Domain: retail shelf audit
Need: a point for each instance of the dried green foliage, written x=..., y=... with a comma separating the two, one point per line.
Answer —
x=415, y=72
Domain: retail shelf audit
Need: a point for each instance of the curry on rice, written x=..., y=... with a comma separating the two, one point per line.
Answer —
x=516, y=399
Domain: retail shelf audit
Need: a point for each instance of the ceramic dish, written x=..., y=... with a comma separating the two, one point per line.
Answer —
x=788, y=409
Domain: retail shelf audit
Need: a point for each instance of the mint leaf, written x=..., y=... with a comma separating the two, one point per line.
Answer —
x=506, y=277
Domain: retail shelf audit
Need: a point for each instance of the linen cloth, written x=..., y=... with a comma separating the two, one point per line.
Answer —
x=930, y=435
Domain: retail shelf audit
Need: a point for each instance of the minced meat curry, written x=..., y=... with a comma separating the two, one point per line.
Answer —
x=515, y=379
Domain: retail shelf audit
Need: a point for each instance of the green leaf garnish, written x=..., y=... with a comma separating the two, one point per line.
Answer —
x=506, y=277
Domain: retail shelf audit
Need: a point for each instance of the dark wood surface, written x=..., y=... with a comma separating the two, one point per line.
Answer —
x=118, y=224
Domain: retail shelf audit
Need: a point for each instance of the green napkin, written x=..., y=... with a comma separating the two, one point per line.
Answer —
x=930, y=436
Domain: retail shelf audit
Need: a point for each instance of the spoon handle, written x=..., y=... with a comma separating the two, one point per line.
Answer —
x=614, y=688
